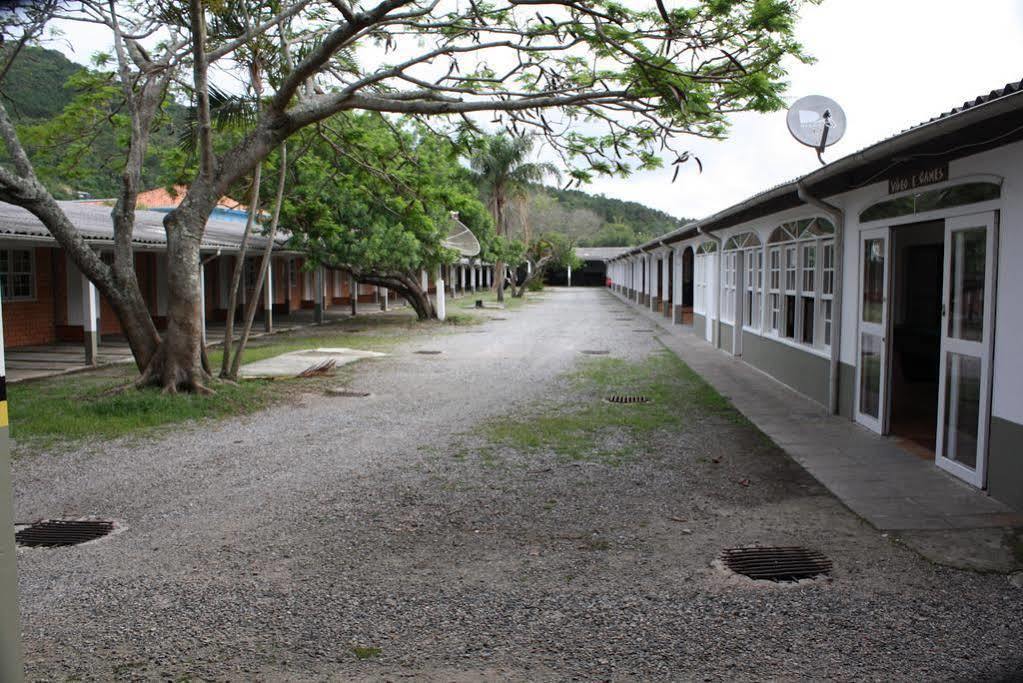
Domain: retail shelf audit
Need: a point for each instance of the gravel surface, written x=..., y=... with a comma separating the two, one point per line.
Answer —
x=339, y=539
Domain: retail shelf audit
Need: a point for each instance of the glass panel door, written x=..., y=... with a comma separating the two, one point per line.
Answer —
x=966, y=335
x=872, y=347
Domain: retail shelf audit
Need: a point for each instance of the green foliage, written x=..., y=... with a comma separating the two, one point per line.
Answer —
x=376, y=195
x=504, y=173
x=77, y=135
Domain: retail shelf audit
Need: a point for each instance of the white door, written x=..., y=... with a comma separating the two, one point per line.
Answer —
x=967, y=327
x=872, y=330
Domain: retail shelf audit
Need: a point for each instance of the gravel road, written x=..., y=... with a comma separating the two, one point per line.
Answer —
x=337, y=539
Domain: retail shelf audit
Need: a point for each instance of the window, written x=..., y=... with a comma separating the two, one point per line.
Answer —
x=774, y=293
x=753, y=261
x=801, y=281
x=728, y=286
x=17, y=274
x=789, y=301
x=930, y=200
x=700, y=284
x=827, y=289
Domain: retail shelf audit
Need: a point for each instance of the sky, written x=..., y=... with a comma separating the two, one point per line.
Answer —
x=890, y=64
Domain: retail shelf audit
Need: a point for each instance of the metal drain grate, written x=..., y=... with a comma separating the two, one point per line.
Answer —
x=595, y=352
x=347, y=393
x=643, y=330
x=428, y=353
x=622, y=398
x=58, y=532
x=772, y=563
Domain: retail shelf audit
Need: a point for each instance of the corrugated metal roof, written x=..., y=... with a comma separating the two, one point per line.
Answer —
x=599, y=253
x=94, y=223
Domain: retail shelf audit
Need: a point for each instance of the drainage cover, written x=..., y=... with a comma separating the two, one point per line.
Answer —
x=57, y=532
x=499, y=318
x=595, y=352
x=776, y=563
x=427, y=353
x=621, y=398
x=347, y=393
x=642, y=330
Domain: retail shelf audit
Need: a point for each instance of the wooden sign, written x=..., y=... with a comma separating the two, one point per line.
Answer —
x=919, y=177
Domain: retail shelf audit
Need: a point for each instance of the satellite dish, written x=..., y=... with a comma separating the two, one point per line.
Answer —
x=460, y=238
x=817, y=122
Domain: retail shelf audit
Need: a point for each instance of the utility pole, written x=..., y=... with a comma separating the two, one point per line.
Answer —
x=10, y=624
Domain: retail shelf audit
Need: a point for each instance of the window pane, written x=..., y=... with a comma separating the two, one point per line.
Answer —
x=790, y=316
x=966, y=308
x=808, y=319
x=826, y=316
x=870, y=375
x=873, y=280
x=962, y=409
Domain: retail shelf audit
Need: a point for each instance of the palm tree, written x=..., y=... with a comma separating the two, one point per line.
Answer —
x=504, y=174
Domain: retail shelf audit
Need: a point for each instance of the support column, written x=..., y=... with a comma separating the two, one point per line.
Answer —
x=90, y=332
x=382, y=296
x=202, y=300
x=318, y=288
x=472, y=278
x=268, y=297
x=461, y=279
x=570, y=276
x=353, y=294
x=441, y=304
x=666, y=284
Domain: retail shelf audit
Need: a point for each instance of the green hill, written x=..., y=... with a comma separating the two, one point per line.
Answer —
x=34, y=87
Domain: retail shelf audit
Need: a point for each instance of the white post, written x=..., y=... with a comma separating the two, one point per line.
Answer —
x=424, y=282
x=90, y=335
x=441, y=312
x=10, y=628
x=461, y=279
x=202, y=300
x=318, y=286
x=268, y=297
x=570, y=276
x=472, y=277
x=382, y=295
x=353, y=294
x=665, y=283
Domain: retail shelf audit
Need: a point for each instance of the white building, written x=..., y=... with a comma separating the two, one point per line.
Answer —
x=881, y=285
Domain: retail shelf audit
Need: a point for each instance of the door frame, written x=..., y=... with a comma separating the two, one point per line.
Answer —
x=882, y=330
x=983, y=349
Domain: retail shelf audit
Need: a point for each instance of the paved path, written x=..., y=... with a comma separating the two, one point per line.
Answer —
x=885, y=484
x=364, y=539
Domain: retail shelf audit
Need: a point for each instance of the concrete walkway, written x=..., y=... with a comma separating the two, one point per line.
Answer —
x=881, y=482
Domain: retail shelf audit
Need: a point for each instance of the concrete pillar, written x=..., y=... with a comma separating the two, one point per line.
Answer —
x=441, y=304
x=90, y=312
x=268, y=298
x=353, y=294
x=461, y=279
x=11, y=668
x=318, y=293
x=665, y=283
x=424, y=281
x=570, y=276
x=472, y=278
x=382, y=295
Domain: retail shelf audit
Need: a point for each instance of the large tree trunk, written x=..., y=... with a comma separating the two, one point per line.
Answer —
x=405, y=286
x=177, y=364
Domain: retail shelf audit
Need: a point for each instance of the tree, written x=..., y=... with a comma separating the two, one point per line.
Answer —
x=505, y=174
x=373, y=198
x=623, y=83
x=551, y=250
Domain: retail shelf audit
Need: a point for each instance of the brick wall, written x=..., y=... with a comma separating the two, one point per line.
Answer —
x=32, y=322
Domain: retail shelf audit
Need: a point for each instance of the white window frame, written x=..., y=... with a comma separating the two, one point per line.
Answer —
x=753, y=262
x=826, y=259
x=728, y=280
x=774, y=308
x=700, y=283
x=31, y=296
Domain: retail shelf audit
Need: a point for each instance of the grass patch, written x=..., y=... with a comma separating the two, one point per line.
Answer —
x=589, y=428
x=62, y=410
x=489, y=297
x=362, y=653
x=462, y=319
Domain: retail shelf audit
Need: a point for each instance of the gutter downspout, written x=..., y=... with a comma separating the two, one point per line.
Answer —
x=838, y=216
x=717, y=286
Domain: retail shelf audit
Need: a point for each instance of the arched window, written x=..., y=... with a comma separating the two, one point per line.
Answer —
x=800, y=280
x=932, y=200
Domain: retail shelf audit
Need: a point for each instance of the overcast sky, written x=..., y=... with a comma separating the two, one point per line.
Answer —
x=889, y=63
